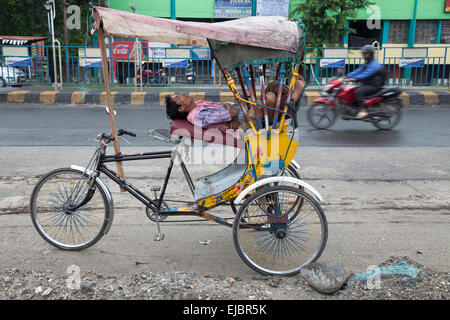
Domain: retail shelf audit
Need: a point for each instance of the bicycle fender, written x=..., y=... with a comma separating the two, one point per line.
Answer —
x=295, y=164
x=278, y=179
x=105, y=189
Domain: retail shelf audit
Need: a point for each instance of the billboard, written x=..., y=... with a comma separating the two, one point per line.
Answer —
x=272, y=8
x=90, y=57
x=412, y=63
x=232, y=8
x=332, y=63
x=447, y=6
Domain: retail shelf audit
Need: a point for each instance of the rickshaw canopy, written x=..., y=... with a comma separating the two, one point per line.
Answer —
x=244, y=40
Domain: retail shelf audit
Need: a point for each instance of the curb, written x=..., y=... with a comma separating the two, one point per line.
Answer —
x=410, y=98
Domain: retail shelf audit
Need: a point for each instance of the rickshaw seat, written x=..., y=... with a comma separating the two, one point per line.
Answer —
x=217, y=182
x=186, y=129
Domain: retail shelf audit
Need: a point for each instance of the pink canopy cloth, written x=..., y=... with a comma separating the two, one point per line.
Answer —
x=276, y=33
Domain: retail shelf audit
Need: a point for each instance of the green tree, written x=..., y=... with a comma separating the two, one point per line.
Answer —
x=29, y=18
x=325, y=19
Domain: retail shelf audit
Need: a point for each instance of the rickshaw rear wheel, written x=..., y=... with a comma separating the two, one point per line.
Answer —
x=273, y=242
x=290, y=171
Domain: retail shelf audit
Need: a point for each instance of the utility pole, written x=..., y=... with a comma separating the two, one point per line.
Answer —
x=173, y=14
x=66, y=38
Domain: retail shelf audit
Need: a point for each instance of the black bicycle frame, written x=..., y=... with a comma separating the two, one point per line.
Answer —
x=153, y=205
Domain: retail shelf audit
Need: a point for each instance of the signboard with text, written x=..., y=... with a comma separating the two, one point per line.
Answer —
x=272, y=8
x=412, y=63
x=332, y=63
x=18, y=61
x=232, y=8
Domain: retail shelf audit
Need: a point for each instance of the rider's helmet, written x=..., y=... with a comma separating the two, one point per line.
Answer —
x=368, y=49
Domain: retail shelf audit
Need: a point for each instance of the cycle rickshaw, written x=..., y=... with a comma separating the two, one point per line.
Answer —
x=279, y=226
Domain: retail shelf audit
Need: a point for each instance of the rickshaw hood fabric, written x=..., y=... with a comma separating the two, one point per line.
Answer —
x=276, y=33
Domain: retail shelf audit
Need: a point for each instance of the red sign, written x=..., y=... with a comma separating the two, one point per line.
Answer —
x=447, y=5
x=124, y=50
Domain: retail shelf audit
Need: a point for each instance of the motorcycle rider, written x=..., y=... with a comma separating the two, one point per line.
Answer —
x=371, y=76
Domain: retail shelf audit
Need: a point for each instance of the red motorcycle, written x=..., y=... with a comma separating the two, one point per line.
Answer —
x=384, y=107
x=148, y=76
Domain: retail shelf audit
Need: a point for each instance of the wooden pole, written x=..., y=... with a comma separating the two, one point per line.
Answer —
x=112, y=119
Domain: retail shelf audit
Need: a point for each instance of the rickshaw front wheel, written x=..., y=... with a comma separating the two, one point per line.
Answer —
x=51, y=211
x=273, y=242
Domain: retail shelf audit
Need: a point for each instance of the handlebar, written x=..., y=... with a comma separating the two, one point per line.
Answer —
x=107, y=137
x=123, y=131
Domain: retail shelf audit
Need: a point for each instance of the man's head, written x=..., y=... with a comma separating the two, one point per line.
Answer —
x=368, y=51
x=178, y=106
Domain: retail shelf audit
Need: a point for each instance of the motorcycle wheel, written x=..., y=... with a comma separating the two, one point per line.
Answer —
x=321, y=116
x=393, y=108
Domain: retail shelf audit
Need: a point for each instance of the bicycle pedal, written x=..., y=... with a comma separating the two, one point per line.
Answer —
x=159, y=237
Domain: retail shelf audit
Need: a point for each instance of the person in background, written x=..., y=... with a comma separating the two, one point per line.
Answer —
x=372, y=77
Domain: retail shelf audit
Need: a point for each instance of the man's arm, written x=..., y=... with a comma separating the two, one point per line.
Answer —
x=373, y=67
x=355, y=72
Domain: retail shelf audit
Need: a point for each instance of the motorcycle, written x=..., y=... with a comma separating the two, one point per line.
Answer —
x=384, y=107
x=148, y=76
x=190, y=73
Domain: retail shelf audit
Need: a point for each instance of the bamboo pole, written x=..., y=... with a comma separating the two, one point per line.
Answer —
x=112, y=119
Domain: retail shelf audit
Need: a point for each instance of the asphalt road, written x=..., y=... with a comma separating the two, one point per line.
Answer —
x=386, y=192
x=65, y=125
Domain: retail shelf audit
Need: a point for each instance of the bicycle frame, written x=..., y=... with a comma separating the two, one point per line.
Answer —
x=142, y=197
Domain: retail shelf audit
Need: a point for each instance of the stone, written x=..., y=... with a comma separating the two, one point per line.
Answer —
x=325, y=277
x=47, y=292
x=38, y=290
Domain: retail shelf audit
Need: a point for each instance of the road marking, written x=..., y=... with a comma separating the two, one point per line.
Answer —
x=430, y=97
x=197, y=95
x=405, y=98
x=226, y=97
x=162, y=97
x=47, y=97
x=137, y=97
x=16, y=96
x=103, y=99
x=311, y=96
x=77, y=97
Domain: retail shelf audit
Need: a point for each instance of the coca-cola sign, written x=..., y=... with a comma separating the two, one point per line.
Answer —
x=123, y=50
x=120, y=50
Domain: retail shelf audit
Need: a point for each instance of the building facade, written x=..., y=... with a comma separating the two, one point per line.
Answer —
x=397, y=23
x=402, y=29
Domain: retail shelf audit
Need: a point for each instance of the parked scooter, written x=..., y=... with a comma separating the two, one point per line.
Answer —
x=148, y=76
x=384, y=106
x=190, y=73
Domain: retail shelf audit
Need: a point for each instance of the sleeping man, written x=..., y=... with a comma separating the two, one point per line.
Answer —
x=208, y=114
x=205, y=114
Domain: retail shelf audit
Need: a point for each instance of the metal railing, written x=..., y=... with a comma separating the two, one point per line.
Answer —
x=403, y=69
x=81, y=66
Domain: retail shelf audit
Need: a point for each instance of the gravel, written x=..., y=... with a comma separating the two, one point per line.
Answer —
x=428, y=285
x=184, y=285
